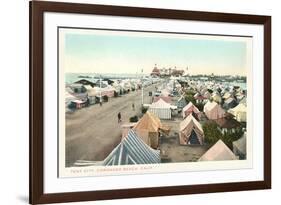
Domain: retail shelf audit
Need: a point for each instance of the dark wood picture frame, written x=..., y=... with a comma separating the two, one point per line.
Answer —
x=37, y=8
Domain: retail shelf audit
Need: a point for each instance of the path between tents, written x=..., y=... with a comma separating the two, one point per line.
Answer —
x=93, y=132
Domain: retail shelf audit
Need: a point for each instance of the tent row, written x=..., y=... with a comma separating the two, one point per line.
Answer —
x=84, y=92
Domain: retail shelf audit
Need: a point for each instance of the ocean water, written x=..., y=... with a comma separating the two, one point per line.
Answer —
x=241, y=85
x=73, y=77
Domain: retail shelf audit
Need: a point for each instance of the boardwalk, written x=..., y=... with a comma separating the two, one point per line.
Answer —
x=93, y=132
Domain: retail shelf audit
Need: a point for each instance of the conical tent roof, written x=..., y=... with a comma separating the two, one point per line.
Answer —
x=218, y=152
x=132, y=150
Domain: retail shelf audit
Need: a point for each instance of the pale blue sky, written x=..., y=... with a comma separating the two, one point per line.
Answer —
x=129, y=54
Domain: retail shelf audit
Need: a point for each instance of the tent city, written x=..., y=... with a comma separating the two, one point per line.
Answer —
x=183, y=108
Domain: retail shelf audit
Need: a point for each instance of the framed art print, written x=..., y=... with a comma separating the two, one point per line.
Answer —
x=134, y=102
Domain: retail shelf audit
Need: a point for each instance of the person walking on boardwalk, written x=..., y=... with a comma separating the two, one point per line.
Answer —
x=119, y=117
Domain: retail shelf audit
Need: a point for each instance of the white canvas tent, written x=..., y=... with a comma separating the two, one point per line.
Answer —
x=213, y=110
x=218, y=152
x=161, y=109
x=191, y=131
x=132, y=150
x=240, y=112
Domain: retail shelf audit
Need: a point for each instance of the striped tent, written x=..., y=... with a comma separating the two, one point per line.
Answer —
x=132, y=150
